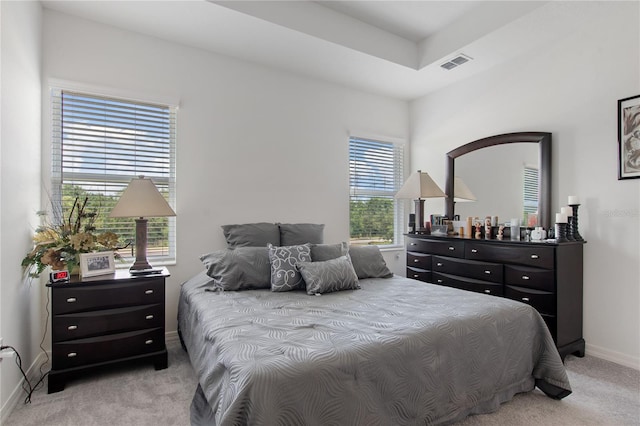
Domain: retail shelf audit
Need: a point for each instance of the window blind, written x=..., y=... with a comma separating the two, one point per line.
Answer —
x=99, y=145
x=375, y=175
x=530, y=191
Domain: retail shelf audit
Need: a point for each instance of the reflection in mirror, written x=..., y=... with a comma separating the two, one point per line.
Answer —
x=504, y=180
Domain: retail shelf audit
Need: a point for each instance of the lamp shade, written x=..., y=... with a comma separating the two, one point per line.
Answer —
x=141, y=199
x=419, y=185
x=461, y=191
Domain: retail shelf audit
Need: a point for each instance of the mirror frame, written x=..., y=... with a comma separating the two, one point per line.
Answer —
x=543, y=139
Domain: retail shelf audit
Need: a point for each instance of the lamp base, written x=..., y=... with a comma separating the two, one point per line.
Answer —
x=141, y=262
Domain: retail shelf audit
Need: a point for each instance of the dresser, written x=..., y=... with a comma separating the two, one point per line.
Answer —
x=547, y=276
x=103, y=320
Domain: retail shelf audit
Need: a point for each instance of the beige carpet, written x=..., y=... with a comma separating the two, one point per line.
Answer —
x=604, y=393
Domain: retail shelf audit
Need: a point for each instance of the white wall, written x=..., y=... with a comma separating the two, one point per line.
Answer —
x=254, y=144
x=570, y=89
x=19, y=187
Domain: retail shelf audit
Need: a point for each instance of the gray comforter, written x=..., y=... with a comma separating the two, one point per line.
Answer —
x=395, y=352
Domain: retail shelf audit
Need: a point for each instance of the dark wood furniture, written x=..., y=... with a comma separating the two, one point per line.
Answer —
x=547, y=276
x=107, y=319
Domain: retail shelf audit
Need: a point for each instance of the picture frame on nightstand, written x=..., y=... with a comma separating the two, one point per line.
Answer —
x=95, y=264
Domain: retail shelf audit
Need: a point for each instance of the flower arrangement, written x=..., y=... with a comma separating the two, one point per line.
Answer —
x=59, y=245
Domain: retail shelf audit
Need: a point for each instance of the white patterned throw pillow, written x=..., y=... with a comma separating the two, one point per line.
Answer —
x=284, y=274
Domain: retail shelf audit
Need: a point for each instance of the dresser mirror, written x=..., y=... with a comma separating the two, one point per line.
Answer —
x=502, y=173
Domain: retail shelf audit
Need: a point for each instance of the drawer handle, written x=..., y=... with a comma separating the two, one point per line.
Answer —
x=474, y=251
x=524, y=277
x=148, y=292
x=413, y=244
x=416, y=260
x=487, y=272
x=72, y=327
x=439, y=264
x=534, y=256
x=452, y=248
x=525, y=299
x=439, y=281
x=415, y=275
x=148, y=342
x=71, y=300
x=488, y=291
x=149, y=317
x=72, y=355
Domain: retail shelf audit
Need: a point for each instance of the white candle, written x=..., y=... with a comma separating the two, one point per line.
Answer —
x=567, y=211
x=573, y=200
x=561, y=218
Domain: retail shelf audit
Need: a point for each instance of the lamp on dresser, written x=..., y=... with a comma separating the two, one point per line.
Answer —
x=461, y=191
x=417, y=187
x=141, y=199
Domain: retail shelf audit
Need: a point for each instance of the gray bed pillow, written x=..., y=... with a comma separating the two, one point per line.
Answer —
x=368, y=262
x=322, y=252
x=251, y=234
x=329, y=276
x=284, y=273
x=292, y=234
x=241, y=268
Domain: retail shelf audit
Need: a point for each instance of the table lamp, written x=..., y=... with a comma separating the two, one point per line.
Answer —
x=418, y=186
x=461, y=191
x=141, y=199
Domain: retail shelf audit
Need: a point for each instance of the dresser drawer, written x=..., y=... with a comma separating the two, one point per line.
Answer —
x=543, y=301
x=470, y=284
x=444, y=248
x=484, y=271
x=524, y=276
x=104, y=296
x=419, y=274
x=538, y=256
x=86, y=324
x=419, y=260
x=92, y=350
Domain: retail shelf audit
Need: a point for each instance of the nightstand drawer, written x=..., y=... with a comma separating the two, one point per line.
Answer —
x=523, y=276
x=543, y=301
x=94, y=350
x=419, y=260
x=86, y=324
x=104, y=296
x=484, y=271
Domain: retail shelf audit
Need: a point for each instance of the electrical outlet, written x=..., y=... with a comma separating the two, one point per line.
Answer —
x=6, y=353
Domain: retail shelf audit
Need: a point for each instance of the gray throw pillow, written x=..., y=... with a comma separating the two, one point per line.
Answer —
x=292, y=234
x=329, y=276
x=322, y=252
x=368, y=262
x=241, y=268
x=251, y=234
x=284, y=273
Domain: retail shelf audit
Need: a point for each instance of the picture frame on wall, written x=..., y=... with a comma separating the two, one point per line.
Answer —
x=629, y=138
x=94, y=264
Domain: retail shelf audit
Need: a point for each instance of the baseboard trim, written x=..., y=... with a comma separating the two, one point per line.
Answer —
x=33, y=373
x=613, y=356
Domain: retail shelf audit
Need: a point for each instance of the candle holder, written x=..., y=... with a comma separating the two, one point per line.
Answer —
x=574, y=223
x=561, y=232
x=570, y=231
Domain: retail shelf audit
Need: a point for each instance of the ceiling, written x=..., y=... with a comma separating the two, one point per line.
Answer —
x=392, y=48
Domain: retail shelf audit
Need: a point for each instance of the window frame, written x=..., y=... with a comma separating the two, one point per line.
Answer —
x=52, y=149
x=400, y=206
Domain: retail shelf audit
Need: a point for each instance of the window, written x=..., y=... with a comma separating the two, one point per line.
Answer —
x=530, y=198
x=376, y=172
x=99, y=145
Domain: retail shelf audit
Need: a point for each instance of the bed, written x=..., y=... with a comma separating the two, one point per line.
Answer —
x=390, y=351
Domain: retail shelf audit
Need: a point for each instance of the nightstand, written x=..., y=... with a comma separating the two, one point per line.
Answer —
x=106, y=319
